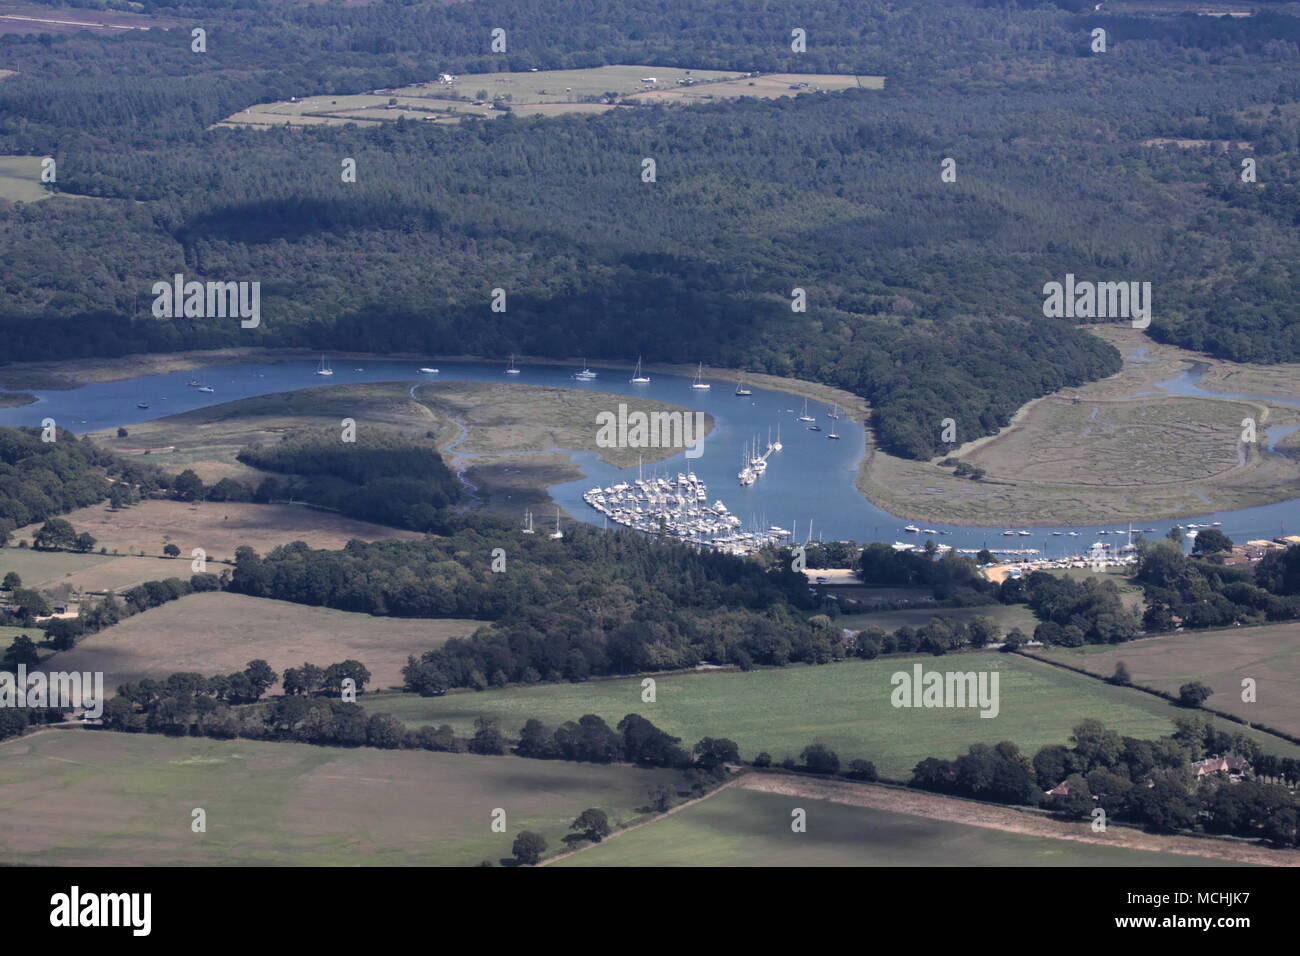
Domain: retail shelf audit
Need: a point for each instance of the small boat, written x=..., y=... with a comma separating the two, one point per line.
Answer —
x=913, y=528
x=1072, y=534
x=586, y=375
x=512, y=370
x=194, y=383
x=929, y=531
x=1215, y=524
x=141, y=404
x=1008, y=534
x=814, y=428
x=1057, y=534
x=206, y=388
x=1024, y=534
x=324, y=368
x=429, y=371
x=639, y=377
x=1103, y=532
x=699, y=379
x=740, y=387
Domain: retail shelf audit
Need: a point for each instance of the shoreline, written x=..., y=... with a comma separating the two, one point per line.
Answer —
x=882, y=479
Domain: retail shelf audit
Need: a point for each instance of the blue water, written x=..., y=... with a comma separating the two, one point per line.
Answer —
x=812, y=480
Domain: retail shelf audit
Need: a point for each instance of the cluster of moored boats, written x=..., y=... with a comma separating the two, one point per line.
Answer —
x=753, y=465
x=679, y=508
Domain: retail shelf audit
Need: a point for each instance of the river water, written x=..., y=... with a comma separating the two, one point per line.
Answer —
x=810, y=482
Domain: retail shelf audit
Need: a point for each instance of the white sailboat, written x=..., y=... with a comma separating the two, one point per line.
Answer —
x=834, y=413
x=805, y=417
x=776, y=445
x=205, y=387
x=832, y=434
x=740, y=387
x=324, y=367
x=699, y=379
x=528, y=528
x=586, y=375
x=639, y=377
x=557, y=534
x=512, y=370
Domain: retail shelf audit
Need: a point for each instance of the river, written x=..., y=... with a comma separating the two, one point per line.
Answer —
x=810, y=482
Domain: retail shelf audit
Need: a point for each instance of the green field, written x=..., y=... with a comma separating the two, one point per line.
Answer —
x=92, y=798
x=781, y=710
x=749, y=828
x=1269, y=654
x=1005, y=616
x=20, y=179
x=7, y=635
x=46, y=567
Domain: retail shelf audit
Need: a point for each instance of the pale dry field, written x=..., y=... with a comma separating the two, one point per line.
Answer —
x=1268, y=654
x=219, y=633
x=1114, y=450
x=543, y=93
x=216, y=527
x=768, y=86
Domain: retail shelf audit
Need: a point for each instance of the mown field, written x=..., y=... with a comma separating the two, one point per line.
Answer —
x=1269, y=654
x=782, y=710
x=38, y=568
x=20, y=179
x=218, y=633
x=93, y=798
x=741, y=827
x=1005, y=616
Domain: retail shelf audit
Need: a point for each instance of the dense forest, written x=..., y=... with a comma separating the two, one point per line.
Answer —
x=923, y=296
x=378, y=476
x=593, y=604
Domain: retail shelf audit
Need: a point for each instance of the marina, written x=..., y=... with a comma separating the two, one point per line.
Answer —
x=680, y=509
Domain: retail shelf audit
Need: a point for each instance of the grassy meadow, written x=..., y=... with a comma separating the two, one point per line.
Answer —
x=847, y=705
x=740, y=827
x=94, y=798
